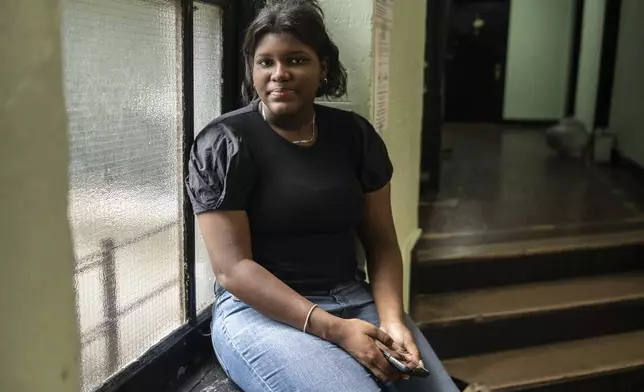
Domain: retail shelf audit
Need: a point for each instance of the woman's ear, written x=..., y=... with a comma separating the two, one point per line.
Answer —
x=323, y=69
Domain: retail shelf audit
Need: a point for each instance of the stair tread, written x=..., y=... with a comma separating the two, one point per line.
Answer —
x=506, y=301
x=542, y=365
x=438, y=254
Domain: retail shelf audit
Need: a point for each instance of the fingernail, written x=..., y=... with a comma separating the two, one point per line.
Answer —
x=421, y=363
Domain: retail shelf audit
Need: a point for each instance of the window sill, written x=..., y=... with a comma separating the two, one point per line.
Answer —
x=209, y=378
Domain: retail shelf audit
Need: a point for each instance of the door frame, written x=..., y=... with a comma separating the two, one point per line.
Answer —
x=607, y=62
x=573, y=74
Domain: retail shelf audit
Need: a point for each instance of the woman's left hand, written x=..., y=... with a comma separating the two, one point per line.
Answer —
x=403, y=337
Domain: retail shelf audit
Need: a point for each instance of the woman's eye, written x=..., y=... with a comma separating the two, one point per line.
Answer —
x=298, y=61
x=265, y=63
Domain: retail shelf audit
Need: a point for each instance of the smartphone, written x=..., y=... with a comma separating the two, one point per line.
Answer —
x=401, y=367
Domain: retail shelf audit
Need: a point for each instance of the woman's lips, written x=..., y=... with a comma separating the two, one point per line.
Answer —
x=282, y=93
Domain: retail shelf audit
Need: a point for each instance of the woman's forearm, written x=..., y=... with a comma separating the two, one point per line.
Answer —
x=385, y=270
x=264, y=292
x=384, y=263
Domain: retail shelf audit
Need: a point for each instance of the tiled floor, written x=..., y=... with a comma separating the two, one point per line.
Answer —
x=503, y=183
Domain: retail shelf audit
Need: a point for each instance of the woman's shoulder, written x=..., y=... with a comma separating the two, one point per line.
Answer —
x=348, y=120
x=337, y=114
x=238, y=116
x=229, y=127
x=220, y=168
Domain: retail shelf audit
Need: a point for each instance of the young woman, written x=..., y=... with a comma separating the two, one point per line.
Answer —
x=282, y=188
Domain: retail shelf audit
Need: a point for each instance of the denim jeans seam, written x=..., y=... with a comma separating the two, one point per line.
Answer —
x=239, y=353
x=221, y=363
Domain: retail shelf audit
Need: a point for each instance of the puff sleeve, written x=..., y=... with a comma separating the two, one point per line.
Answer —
x=374, y=168
x=221, y=171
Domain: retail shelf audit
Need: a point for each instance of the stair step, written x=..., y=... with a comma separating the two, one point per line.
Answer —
x=431, y=239
x=478, y=321
x=568, y=364
x=451, y=268
x=500, y=302
x=532, y=246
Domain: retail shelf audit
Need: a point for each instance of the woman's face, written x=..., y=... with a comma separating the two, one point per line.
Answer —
x=286, y=73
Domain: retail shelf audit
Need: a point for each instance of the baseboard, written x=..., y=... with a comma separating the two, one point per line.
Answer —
x=633, y=167
x=408, y=249
x=531, y=123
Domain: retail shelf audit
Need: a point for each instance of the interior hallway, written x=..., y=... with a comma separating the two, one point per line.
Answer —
x=504, y=183
x=528, y=276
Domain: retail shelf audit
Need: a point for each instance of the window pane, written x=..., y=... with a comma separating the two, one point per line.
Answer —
x=208, y=59
x=122, y=62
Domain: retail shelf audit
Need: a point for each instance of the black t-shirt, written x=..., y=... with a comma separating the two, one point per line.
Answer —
x=304, y=204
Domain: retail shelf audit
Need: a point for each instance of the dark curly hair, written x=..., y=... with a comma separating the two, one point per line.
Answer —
x=304, y=19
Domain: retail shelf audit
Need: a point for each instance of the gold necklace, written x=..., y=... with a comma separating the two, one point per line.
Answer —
x=261, y=109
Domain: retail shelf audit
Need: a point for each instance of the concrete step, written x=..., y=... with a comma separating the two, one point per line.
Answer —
x=450, y=268
x=431, y=239
x=613, y=363
x=499, y=318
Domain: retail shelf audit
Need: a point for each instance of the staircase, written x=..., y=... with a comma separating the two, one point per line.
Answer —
x=548, y=315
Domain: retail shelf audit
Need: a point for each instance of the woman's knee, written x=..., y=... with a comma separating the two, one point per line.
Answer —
x=279, y=358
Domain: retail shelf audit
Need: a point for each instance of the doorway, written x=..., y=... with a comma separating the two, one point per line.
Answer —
x=475, y=60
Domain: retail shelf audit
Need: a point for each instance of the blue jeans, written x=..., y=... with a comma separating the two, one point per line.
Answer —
x=260, y=354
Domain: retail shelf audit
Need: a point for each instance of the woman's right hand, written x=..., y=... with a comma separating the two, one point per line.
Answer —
x=363, y=341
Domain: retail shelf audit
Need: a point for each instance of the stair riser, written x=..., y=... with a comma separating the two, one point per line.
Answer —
x=626, y=381
x=471, y=338
x=436, y=277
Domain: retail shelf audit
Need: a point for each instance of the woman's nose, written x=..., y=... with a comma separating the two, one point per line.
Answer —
x=281, y=73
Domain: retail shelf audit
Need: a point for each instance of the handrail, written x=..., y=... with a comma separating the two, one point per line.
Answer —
x=79, y=262
x=107, y=263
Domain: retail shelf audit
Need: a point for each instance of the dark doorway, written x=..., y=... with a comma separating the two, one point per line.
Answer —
x=434, y=93
x=476, y=54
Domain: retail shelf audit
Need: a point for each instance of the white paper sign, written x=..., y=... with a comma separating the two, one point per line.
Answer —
x=383, y=22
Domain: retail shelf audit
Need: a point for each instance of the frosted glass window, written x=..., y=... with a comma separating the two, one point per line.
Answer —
x=208, y=57
x=122, y=79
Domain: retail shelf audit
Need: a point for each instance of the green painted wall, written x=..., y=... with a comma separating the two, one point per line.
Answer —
x=350, y=25
x=589, y=61
x=627, y=106
x=38, y=333
x=537, y=68
x=403, y=134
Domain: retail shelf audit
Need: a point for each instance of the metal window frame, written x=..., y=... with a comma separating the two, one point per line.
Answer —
x=221, y=3
x=229, y=101
x=187, y=49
